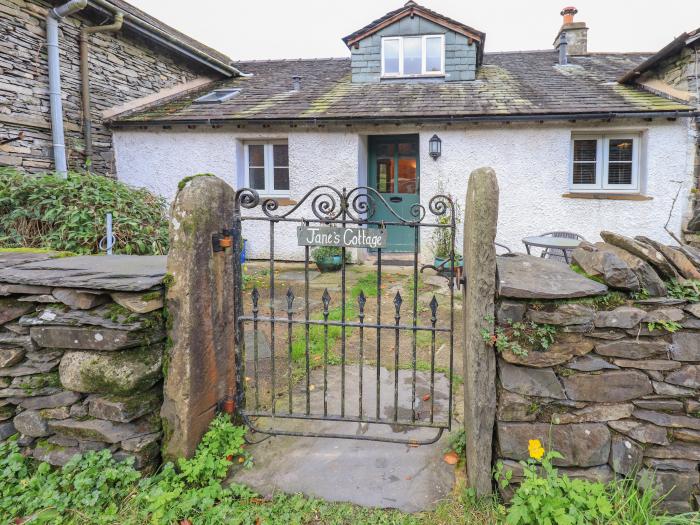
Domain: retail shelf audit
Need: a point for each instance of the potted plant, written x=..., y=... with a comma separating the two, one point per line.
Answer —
x=442, y=241
x=328, y=258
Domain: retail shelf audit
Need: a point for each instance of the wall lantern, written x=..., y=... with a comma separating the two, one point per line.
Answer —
x=435, y=147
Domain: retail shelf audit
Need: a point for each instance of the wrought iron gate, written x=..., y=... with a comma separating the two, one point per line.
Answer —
x=291, y=391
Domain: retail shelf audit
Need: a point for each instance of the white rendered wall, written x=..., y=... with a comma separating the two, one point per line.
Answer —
x=532, y=169
x=158, y=160
x=531, y=162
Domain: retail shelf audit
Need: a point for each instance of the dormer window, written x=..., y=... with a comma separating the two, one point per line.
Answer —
x=413, y=56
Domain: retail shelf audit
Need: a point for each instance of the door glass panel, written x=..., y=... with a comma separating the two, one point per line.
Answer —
x=391, y=56
x=433, y=55
x=408, y=148
x=384, y=150
x=412, y=56
x=407, y=176
x=385, y=175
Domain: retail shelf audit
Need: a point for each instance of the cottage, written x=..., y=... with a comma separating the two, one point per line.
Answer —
x=574, y=148
x=580, y=141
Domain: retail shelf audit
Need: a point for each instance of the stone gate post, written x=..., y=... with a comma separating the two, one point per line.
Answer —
x=200, y=302
x=478, y=307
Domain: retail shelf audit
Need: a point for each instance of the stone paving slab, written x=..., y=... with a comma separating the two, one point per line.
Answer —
x=8, y=259
x=529, y=277
x=129, y=273
x=367, y=473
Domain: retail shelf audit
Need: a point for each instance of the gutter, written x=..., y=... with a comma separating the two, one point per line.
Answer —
x=53, y=19
x=419, y=119
x=153, y=33
x=85, y=78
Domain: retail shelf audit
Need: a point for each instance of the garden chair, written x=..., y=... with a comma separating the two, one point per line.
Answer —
x=559, y=254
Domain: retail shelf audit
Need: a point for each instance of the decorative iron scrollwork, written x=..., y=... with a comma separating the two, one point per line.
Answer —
x=357, y=205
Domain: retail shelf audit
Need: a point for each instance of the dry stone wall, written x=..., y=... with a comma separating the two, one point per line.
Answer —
x=81, y=366
x=123, y=67
x=617, y=393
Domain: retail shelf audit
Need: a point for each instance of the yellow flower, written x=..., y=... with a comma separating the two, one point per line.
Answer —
x=535, y=449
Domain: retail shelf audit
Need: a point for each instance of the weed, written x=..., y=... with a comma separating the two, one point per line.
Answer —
x=688, y=291
x=669, y=326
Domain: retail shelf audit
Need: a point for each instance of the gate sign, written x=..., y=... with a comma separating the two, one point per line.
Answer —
x=341, y=237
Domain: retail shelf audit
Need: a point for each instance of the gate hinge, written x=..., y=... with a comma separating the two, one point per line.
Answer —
x=221, y=241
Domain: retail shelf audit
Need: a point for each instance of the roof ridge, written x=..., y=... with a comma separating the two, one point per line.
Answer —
x=266, y=60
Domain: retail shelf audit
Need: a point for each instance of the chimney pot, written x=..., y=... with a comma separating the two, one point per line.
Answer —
x=568, y=14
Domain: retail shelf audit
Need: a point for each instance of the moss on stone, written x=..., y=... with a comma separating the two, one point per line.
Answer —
x=54, y=254
x=183, y=182
x=38, y=381
x=151, y=296
x=96, y=379
x=168, y=280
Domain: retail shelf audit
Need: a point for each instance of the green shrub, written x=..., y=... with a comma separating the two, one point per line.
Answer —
x=46, y=211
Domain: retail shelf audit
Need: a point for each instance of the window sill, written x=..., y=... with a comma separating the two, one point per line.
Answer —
x=608, y=196
x=412, y=77
x=282, y=201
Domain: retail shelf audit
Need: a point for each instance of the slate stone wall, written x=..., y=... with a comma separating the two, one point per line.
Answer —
x=618, y=392
x=81, y=369
x=123, y=67
x=460, y=56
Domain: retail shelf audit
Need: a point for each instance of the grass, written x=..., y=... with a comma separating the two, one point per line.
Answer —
x=366, y=284
x=317, y=338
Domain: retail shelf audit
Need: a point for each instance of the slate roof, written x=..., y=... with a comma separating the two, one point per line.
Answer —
x=508, y=86
x=150, y=26
x=669, y=50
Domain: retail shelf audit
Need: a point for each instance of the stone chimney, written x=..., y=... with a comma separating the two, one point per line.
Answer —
x=576, y=33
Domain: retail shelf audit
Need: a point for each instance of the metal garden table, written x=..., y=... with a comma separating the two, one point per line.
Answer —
x=563, y=244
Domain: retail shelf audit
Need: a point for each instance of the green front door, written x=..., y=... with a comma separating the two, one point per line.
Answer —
x=394, y=172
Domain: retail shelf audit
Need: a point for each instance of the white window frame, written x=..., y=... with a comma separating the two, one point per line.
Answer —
x=602, y=164
x=423, y=72
x=269, y=165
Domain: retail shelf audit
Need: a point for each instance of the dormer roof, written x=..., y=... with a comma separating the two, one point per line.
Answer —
x=411, y=9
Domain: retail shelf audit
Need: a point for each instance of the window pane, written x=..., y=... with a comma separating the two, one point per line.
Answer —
x=620, y=173
x=585, y=150
x=585, y=157
x=412, y=56
x=385, y=175
x=280, y=153
x=391, y=56
x=281, y=178
x=620, y=161
x=257, y=178
x=433, y=54
x=620, y=150
x=256, y=155
x=407, y=175
x=584, y=173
